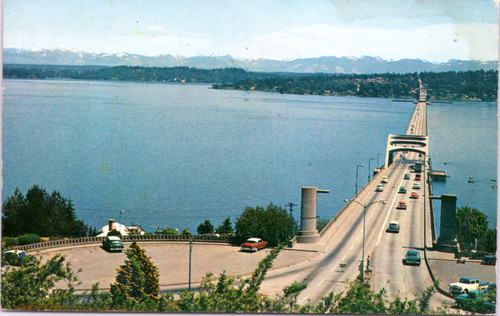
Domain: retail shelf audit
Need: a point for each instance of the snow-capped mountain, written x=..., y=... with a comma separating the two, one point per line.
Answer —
x=327, y=64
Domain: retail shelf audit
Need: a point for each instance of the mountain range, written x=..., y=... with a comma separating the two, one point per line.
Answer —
x=328, y=64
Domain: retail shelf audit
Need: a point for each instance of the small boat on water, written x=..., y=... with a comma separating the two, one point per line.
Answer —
x=471, y=180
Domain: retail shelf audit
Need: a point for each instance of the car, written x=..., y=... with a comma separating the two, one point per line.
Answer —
x=393, y=227
x=467, y=284
x=401, y=205
x=402, y=189
x=407, y=176
x=253, y=244
x=384, y=180
x=492, y=287
x=418, y=177
x=379, y=188
x=112, y=243
x=477, y=299
x=489, y=260
x=412, y=257
x=416, y=186
x=414, y=195
x=14, y=257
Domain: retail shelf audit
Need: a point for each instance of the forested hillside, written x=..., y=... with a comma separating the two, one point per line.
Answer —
x=470, y=85
x=127, y=73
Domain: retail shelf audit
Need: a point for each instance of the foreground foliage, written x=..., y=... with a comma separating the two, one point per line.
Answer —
x=138, y=279
x=32, y=287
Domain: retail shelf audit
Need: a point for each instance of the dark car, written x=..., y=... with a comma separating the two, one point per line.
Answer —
x=402, y=189
x=16, y=258
x=412, y=257
x=112, y=243
x=476, y=299
x=393, y=227
x=489, y=260
x=407, y=176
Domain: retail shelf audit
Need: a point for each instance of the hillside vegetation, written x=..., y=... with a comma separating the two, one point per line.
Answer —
x=477, y=85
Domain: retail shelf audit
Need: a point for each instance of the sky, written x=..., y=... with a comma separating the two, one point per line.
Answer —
x=432, y=30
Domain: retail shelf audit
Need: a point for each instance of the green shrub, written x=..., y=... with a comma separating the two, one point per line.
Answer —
x=27, y=239
x=169, y=231
x=8, y=242
x=114, y=232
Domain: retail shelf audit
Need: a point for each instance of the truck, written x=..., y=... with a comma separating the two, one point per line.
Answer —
x=467, y=284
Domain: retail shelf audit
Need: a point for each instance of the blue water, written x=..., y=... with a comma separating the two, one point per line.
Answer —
x=175, y=155
x=463, y=142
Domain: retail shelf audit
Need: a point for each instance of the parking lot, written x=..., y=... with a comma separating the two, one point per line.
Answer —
x=172, y=260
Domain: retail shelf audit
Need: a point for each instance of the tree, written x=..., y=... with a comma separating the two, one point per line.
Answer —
x=321, y=223
x=34, y=282
x=40, y=213
x=205, y=228
x=137, y=280
x=273, y=224
x=226, y=227
x=471, y=225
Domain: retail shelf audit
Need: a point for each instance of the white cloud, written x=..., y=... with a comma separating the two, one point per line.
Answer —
x=432, y=42
x=435, y=43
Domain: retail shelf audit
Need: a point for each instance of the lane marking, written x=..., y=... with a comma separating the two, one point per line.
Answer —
x=390, y=211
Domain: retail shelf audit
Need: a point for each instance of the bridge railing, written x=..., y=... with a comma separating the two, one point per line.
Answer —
x=348, y=203
x=68, y=242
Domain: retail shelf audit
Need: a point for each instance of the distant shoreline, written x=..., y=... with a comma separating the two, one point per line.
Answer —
x=477, y=85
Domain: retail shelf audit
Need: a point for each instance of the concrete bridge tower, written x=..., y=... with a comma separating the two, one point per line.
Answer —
x=447, y=240
x=308, y=232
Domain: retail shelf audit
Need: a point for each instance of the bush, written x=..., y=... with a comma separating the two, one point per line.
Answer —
x=186, y=231
x=8, y=242
x=321, y=223
x=169, y=231
x=114, y=232
x=27, y=239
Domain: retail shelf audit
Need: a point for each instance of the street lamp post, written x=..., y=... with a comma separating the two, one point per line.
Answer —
x=369, y=167
x=357, y=178
x=365, y=206
x=190, y=251
x=378, y=166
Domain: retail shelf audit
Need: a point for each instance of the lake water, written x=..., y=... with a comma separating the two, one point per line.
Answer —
x=175, y=155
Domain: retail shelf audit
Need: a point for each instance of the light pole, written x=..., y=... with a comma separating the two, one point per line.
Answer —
x=190, y=251
x=365, y=206
x=378, y=166
x=120, y=220
x=369, y=167
x=357, y=177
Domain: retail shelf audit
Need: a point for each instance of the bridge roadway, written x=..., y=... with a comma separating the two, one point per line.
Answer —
x=342, y=242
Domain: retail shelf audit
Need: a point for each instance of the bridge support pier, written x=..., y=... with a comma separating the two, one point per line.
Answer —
x=447, y=240
x=308, y=232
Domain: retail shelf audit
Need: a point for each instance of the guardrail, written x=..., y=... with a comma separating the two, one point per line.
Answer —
x=348, y=203
x=68, y=242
